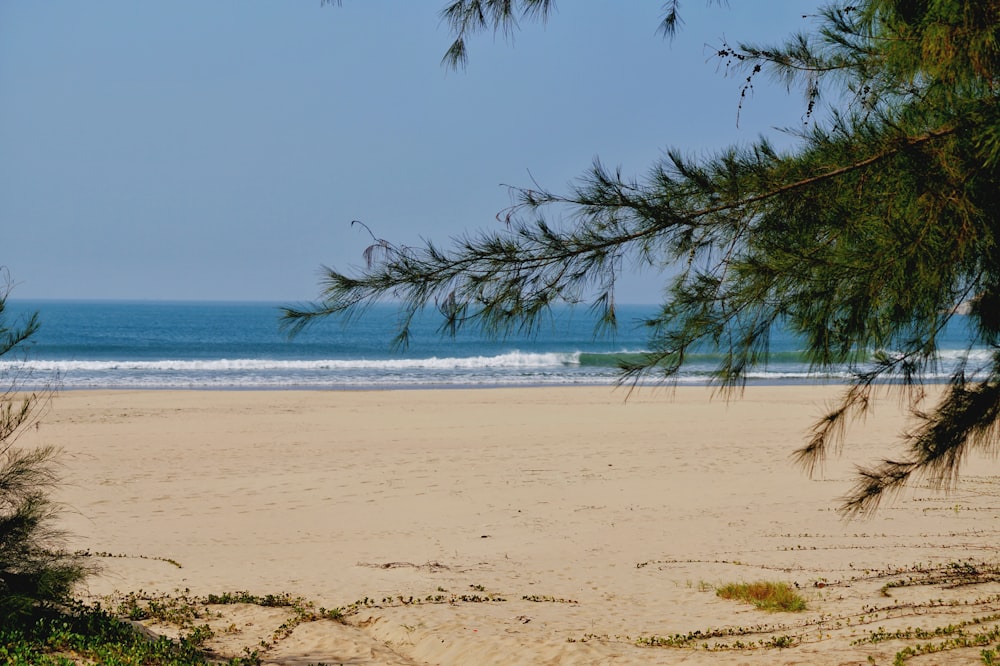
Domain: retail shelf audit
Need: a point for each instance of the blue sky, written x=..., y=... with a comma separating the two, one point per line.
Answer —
x=219, y=150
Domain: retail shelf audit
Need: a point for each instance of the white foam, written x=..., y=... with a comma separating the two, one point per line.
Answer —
x=512, y=360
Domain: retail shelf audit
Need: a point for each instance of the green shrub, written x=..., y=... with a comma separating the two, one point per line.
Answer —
x=764, y=595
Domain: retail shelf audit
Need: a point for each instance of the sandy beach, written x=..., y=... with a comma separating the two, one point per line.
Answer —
x=529, y=526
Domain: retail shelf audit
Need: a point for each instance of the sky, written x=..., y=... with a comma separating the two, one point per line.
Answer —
x=192, y=150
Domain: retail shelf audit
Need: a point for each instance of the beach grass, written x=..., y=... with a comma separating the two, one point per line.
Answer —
x=765, y=595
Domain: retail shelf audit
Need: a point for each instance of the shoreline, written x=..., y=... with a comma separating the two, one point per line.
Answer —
x=652, y=385
x=599, y=521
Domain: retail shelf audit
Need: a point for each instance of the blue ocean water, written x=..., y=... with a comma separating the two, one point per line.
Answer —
x=204, y=345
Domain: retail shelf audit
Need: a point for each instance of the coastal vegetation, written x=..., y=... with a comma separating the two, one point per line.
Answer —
x=865, y=239
x=35, y=573
x=765, y=595
x=194, y=629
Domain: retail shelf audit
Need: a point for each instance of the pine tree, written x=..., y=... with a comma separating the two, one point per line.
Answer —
x=865, y=240
x=33, y=570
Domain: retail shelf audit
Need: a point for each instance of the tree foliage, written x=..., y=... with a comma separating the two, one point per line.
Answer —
x=865, y=239
x=32, y=568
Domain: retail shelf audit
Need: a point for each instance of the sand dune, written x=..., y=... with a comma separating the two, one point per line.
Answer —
x=529, y=526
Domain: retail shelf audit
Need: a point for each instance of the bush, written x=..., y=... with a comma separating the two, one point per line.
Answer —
x=34, y=571
x=764, y=595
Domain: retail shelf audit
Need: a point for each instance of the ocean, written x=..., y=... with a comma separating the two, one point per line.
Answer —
x=239, y=345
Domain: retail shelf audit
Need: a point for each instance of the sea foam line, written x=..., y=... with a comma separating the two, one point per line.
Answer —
x=508, y=360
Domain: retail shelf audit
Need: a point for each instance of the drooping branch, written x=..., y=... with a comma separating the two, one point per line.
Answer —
x=467, y=17
x=967, y=417
x=829, y=431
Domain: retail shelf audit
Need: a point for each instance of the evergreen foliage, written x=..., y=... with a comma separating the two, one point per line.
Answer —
x=865, y=239
x=32, y=569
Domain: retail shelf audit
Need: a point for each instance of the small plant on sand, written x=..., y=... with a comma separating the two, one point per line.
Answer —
x=765, y=595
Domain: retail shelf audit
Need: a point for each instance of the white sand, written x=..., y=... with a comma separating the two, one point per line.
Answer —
x=617, y=518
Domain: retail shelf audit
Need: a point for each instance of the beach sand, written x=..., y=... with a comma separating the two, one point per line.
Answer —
x=529, y=526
